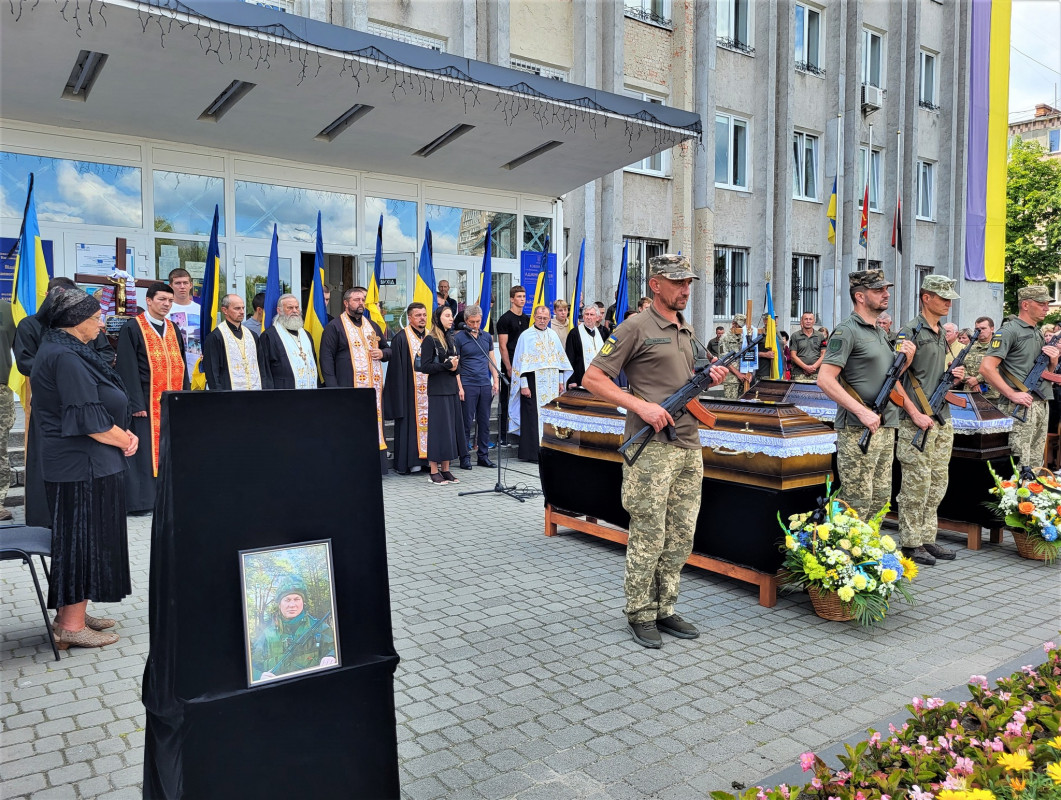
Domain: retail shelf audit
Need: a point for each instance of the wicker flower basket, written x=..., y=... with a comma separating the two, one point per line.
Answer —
x=1026, y=546
x=828, y=606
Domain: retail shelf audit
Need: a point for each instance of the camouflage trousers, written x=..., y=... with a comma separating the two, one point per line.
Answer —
x=799, y=377
x=731, y=387
x=924, y=481
x=866, y=480
x=1028, y=439
x=661, y=491
x=7, y=422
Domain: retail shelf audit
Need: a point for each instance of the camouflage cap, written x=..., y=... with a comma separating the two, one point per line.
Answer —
x=291, y=585
x=1038, y=293
x=941, y=285
x=739, y=319
x=869, y=279
x=671, y=267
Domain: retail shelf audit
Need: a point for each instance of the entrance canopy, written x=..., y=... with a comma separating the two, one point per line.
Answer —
x=239, y=77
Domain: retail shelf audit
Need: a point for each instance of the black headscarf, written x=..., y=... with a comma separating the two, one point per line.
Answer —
x=67, y=309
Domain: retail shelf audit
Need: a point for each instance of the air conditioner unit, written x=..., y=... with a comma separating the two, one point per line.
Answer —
x=872, y=96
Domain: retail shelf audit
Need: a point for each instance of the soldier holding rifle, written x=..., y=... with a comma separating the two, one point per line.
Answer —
x=1010, y=357
x=661, y=491
x=856, y=365
x=924, y=474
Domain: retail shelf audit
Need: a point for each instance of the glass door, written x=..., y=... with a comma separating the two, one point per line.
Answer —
x=251, y=270
x=396, y=285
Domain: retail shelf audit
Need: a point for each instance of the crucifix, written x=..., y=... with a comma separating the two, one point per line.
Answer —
x=119, y=281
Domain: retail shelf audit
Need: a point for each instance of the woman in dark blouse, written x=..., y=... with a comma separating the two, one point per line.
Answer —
x=445, y=422
x=83, y=414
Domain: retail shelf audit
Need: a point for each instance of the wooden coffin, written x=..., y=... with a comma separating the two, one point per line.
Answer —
x=758, y=460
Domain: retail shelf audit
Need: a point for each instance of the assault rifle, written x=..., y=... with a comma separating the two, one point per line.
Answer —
x=943, y=395
x=880, y=402
x=294, y=647
x=679, y=402
x=1035, y=379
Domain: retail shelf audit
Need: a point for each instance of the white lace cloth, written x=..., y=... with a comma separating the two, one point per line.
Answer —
x=730, y=441
x=962, y=426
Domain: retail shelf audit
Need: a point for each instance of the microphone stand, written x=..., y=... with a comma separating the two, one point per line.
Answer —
x=499, y=487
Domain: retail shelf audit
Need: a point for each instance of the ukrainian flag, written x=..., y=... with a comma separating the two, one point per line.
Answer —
x=831, y=214
x=208, y=300
x=576, y=296
x=372, y=299
x=272, y=284
x=773, y=340
x=29, y=283
x=316, y=313
x=424, y=282
x=486, y=281
x=622, y=300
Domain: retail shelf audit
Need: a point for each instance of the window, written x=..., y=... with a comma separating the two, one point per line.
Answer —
x=926, y=190
x=874, y=264
x=185, y=203
x=804, y=285
x=538, y=69
x=804, y=166
x=874, y=178
x=734, y=26
x=658, y=163
x=286, y=6
x=731, y=151
x=1054, y=139
x=922, y=272
x=929, y=90
x=462, y=231
x=808, y=39
x=409, y=37
x=656, y=11
x=536, y=230
x=872, y=58
x=638, y=252
x=294, y=212
x=731, y=280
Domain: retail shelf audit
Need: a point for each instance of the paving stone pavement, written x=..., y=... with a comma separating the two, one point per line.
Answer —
x=519, y=679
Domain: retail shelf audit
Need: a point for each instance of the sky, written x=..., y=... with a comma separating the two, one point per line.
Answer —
x=1035, y=37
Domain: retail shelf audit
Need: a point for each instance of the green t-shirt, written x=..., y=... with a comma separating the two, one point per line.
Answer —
x=930, y=360
x=1018, y=344
x=864, y=354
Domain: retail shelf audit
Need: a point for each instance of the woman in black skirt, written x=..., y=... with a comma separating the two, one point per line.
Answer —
x=445, y=422
x=83, y=413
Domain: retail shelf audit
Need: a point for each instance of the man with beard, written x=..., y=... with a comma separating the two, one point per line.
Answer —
x=150, y=362
x=583, y=345
x=231, y=357
x=974, y=381
x=859, y=354
x=405, y=395
x=352, y=354
x=286, y=349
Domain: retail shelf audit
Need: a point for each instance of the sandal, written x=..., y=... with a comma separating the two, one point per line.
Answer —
x=83, y=638
x=449, y=476
x=436, y=478
x=96, y=623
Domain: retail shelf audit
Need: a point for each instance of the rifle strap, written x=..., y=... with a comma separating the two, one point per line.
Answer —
x=850, y=390
x=918, y=392
x=1013, y=379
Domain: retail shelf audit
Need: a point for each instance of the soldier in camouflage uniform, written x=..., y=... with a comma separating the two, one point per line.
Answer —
x=808, y=349
x=292, y=631
x=661, y=491
x=974, y=381
x=1010, y=357
x=732, y=343
x=7, y=402
x=924, y=473
x=859, y=354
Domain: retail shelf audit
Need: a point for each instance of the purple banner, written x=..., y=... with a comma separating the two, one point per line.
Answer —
x=976, y=168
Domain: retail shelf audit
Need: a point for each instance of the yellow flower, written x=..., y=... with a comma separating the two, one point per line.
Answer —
x=889, y=575
x=851, y=513
x=887, y=543
x=979, y=794
x=952, y=794
x=856, y=551
x=845, y=543
x=1017, y=784
x=909, y=568
x=1015, y=762
x=790, y=543
x=1055, y=743
x=845, y=593
x=859, y=581
x=1053, y=771
x=823, y=531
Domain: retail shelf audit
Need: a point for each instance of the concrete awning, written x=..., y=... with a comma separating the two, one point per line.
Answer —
x=167, y=63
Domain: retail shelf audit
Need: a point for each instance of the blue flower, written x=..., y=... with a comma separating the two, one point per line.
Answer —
x=1050, y=533
x=891, y=561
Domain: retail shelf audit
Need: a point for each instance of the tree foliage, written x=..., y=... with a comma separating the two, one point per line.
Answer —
x=265, y=571
x=1033, y=219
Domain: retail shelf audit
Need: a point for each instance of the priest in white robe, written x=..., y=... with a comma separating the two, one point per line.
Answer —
x=287, y=350
x=542, y=367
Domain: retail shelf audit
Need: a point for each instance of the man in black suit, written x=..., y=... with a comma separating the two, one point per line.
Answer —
x=583, y=343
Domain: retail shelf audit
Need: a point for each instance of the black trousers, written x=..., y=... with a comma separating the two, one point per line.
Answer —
x=528, y=422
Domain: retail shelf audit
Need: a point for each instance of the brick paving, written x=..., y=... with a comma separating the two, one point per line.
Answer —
x=518, y=678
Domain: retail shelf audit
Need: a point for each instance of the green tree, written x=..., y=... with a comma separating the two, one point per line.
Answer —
x=1033, y=219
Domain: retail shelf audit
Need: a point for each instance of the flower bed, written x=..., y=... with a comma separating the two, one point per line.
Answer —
x=1002, y=744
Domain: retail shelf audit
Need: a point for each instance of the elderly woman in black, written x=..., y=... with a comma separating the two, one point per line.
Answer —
x=445, y=421
x=83, y=413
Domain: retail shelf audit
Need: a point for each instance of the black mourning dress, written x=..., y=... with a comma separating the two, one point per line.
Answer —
x=445, y=418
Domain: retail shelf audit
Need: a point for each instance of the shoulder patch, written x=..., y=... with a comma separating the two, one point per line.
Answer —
x=834, y=345
x=996, y=341
x=838, y=332
x=608, y=346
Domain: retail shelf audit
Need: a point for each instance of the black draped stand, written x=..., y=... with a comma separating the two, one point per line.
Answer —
x=326, y=733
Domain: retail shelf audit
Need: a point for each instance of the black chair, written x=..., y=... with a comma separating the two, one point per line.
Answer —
x=23, y=542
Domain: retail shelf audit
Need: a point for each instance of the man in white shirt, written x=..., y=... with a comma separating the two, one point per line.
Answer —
x=185, y=315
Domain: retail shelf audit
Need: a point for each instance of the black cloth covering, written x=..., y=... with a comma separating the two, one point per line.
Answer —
x=328, y=733
x=135, y=370
x=573, y=348
x=215, y=358
x=528, y=420
x=399, y=404
x=273, y=360
x=446, y=440
x=335, y=363
x=27, y=342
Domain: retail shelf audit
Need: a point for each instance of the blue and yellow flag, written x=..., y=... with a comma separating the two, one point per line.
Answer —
x=486, y=280
x=272, y=284
x=543, y=271
x=372, y=298
x=30, y=281
x=208, y=300
x=622, y=301
x=831, y=214
x=773, y=339
x=576, y=295
x=424, y=283
x=316, y=312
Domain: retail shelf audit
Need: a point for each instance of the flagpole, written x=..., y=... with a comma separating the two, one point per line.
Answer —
x=898, y=195
x=838, y=262
x=869, y=174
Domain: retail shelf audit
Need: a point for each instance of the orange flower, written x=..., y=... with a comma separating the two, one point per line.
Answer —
x=1035, y=488
x=1025, y=507
x=1008, y=484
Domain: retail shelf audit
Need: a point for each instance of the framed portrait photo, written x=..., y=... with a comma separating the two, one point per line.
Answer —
x=289, y=611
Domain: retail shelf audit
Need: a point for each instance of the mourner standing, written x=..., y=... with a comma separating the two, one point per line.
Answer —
x=808, y=350
x=924, y=473
x=732, y=342
x=1009, y=359
x=859, y=354
x=661, y=491
x=974, y=381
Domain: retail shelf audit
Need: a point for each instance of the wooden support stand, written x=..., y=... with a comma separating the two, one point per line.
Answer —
x=970, y=530
x=768, y=584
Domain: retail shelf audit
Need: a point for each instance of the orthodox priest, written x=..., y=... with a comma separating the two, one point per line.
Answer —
x=150, y=362
x=352, y=354
x=231, y=356
x=405, y=395
x=286, y=350
x=583, y=344
x=542, y=367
